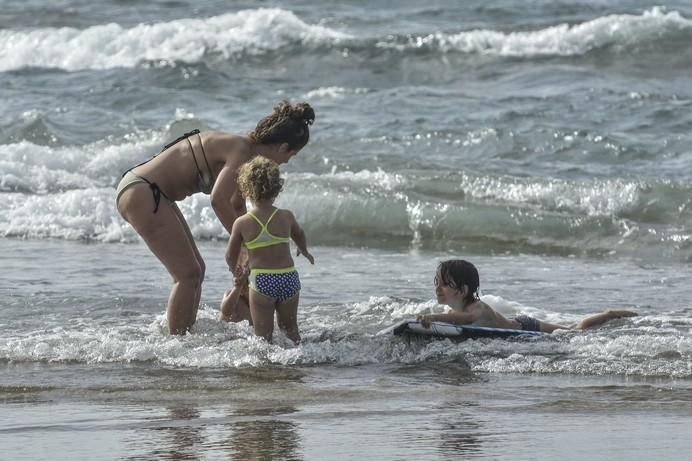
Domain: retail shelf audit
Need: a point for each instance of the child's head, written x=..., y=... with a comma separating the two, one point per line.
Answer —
x=456, y=273
x=259, y=179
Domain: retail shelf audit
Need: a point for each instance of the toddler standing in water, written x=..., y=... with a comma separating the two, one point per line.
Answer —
x=274, y=285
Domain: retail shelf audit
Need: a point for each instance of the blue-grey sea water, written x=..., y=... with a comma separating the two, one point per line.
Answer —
x=548, y=142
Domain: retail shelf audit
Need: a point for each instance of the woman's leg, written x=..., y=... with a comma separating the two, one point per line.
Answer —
x=262, y=311
x=168, y=239
x=287, y=317
x=198, y=256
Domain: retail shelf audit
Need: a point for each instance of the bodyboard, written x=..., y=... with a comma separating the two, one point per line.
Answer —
x=456, y=331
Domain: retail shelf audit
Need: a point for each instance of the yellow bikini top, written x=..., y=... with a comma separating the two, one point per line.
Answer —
x=264, y=238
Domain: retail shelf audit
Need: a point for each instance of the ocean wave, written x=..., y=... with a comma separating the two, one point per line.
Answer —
x=624, y=31
x=56, y=196
x=263, y=31
x=44, y=169
x=642, y=347
x=106, y=46
x=334, y=92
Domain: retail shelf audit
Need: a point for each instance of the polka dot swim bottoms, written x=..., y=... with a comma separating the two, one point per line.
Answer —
x=279, y=284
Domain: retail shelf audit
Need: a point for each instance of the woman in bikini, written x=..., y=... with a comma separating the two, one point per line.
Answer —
x=265, y=231
x=201, y=162
x=456, y=285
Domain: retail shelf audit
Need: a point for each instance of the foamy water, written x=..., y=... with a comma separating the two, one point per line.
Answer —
x=263, y=30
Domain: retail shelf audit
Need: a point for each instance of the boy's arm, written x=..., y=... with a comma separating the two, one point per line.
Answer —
x=451, y=316
x=298, y=236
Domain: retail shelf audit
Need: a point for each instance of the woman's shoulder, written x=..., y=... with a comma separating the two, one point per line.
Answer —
x=223, y=143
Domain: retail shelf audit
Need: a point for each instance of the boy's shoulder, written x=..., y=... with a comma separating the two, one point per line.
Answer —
x=478, y=308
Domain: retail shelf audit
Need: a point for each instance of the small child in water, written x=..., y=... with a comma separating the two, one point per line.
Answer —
x=274, y=285
x=456, y=285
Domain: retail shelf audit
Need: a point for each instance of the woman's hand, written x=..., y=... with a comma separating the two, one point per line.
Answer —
x=241, y=274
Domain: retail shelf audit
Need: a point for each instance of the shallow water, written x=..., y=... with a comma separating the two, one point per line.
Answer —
x=81, y=361
x=427, y=411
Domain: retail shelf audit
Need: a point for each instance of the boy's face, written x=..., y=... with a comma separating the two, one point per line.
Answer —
x=444, y=291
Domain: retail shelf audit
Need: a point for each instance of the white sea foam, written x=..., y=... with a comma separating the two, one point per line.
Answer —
x=334, y=92
x=68, y=192
x=89, y=214
x=72, y=215
x=562, y=40
x=258, y=31
x=54, y=193
x=28, y=167
x=624, y=350
x=188, y=40
x=590, y=198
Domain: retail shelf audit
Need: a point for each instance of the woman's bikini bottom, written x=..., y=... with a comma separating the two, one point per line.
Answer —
x=130, y=179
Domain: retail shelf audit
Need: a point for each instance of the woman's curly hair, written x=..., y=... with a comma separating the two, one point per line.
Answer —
x=288, y=123
x=259, y=179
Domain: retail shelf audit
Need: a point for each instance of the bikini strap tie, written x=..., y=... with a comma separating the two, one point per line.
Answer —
x=157, y=195
x=181, y=138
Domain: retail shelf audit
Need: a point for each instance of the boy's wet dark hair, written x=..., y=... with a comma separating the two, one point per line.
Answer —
x=456, y=273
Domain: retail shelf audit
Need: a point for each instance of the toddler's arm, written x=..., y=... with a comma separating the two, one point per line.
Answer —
x=233, y=250
x=298, y=236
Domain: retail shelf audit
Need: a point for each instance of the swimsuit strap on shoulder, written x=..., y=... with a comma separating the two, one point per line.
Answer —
x=172, y=143
x=256, y=219
x=270, y=218
x=263, y=225
x=204, y=154
x=177, y=140
x=205, y=185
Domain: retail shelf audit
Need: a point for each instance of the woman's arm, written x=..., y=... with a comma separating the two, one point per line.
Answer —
x=226, y=200
x=233, y=251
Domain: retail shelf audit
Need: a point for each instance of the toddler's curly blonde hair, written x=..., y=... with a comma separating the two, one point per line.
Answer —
x=259, y=179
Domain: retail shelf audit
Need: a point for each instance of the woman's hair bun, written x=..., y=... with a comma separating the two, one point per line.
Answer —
x=301, y=111
x=304, y=112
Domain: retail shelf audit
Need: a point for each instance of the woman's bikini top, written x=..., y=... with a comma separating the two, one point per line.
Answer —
x=264, y=238
x=204, y=183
